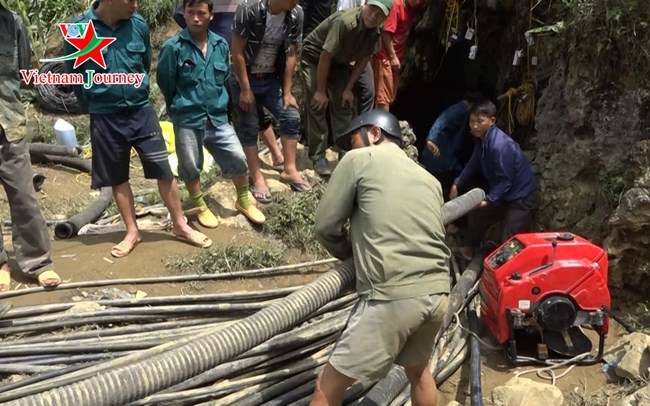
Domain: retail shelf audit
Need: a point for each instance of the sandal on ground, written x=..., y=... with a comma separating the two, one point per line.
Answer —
x=123, y=249
x=261, y=195
x=49, y=279
x=252, y=213
x=5, y=281
x=197, y=239
x=299, y=185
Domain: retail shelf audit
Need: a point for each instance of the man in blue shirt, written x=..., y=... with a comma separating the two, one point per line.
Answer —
x=513, y=192
x=440, y=155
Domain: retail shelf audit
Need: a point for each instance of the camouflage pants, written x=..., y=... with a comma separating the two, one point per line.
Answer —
x=30, y=237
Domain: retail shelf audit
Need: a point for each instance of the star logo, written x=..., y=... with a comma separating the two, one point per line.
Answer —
x=89, y=45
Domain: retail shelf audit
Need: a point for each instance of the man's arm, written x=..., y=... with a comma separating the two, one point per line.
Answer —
x=24, y=48
x=240, y=34
x=287, y=82
x=387, y=40
x=335, y=208
x=147, y=53
x=78, y=89
x=166, y=73
x=357, y=70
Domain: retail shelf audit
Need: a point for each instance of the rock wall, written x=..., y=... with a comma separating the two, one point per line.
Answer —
x=592, y=156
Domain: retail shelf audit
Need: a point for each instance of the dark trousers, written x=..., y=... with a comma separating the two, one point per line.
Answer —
x=517, y=215
x=364, y=90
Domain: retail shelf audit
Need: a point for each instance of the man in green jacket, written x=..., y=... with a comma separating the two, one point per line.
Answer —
x=346, y=37
x=396, y=238
x=191, y=74
x=121, y=117
x=30, y=237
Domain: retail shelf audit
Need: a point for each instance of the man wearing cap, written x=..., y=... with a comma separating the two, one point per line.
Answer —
x=401, y=260
x=344, y=37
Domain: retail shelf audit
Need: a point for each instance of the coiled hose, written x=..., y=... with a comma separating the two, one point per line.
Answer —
x=132, y=382
x=128, y=382
x=56, y=98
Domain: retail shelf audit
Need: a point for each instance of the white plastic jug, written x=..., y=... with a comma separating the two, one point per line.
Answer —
x=65, y=133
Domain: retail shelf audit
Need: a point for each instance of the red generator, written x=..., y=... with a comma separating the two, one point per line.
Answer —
x=538, y=289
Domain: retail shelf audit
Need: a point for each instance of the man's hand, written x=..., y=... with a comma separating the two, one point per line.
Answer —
x=319, y=101
x=453, y=193
x=433, y=148
x=246, y=100
x=484, y=203
x=347, y=99
x=289, y=100
x=395, y=63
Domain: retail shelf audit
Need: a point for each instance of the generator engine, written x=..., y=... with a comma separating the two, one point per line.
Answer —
x=543, y=287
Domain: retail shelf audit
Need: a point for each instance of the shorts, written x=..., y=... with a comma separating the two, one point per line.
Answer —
x=112, y=135
x=380, y=333
x=386, y=81
x=221, y=142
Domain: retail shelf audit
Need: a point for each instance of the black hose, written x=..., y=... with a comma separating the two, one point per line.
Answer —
x=58, y=358
x=153, y=310
x=175, y=362
x=38, y=148
x=176, y=278
x=475, y=360
x=6, y=368
x=43, y=377
x=281, y=342
x=233, y=385
x=133, y=381
x=70, y=227
x=108, y=332
x=56, y=98
x=79, y=322
x=82, y=165
x=37, y=181
x=267, y=396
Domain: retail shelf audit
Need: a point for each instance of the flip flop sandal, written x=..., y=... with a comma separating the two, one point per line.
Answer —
x=299, y=186
x=49, y=275
x=5, y=281
x=123, y=249
x=265, y=193
x=197, y=239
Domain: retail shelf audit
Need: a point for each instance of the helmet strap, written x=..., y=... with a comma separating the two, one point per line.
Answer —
x=364, y=136
x=366, y=139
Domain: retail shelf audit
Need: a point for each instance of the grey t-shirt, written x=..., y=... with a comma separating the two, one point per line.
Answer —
x=273, y=35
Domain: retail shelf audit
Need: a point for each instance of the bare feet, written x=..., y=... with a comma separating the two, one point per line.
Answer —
x=5, y=278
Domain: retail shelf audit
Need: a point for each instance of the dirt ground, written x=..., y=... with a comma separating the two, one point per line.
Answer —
x=88, y=258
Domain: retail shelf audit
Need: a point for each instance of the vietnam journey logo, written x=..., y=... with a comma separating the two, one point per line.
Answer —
x=90, y=48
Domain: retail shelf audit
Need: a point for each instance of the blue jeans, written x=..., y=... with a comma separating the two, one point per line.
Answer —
x=221, y=142
x=268, y=93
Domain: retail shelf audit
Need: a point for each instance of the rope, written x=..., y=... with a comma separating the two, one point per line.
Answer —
x=525, y=111
x=56, y=98
x=550, y=375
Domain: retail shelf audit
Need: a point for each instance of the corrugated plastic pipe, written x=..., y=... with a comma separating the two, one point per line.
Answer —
x=126, y=383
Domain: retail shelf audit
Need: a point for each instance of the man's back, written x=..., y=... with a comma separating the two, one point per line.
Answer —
x=395, y=226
